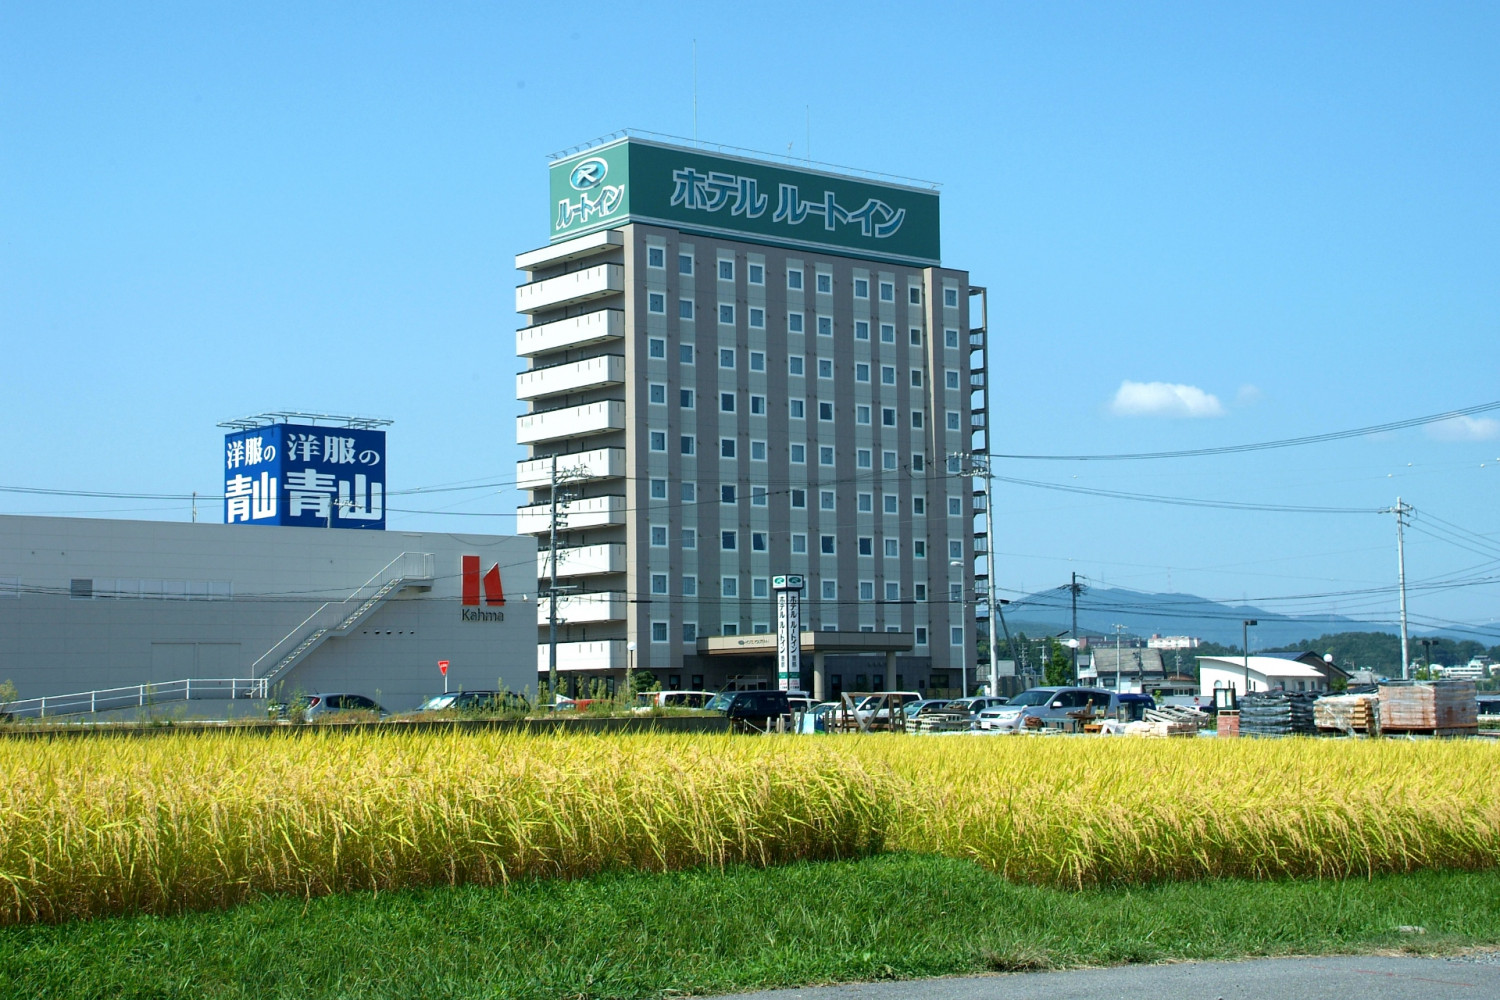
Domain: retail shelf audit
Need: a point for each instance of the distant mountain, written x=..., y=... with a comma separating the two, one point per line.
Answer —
x=1048, y=612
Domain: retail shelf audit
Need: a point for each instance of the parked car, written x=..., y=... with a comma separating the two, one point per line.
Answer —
x=975, y=705
x=926, y=706
x=475, y=702
x=816, y=720
x=1052, y=705
x=672, y=699
x=1132, y=707
x=320, y=705
x=755, y=710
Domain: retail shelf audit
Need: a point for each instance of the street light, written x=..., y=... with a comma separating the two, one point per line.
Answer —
x=630, y=673
x=1246, y=629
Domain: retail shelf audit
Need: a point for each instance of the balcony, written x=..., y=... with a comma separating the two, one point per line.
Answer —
x=591, y=373
x=570, y=250
x=584, y=609
x=571, y=421
x=570, y=289
x=591, y=512
x=597, y=327
x=606, y=654
x=578, y=467
x=583, y=560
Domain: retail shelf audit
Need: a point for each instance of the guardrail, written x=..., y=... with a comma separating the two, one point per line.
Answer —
x=136, y=696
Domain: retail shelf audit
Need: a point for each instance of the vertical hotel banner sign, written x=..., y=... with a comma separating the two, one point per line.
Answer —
x=636, y=180
x=305, y=476
x=788, y=631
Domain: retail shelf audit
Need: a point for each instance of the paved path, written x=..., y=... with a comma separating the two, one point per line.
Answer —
x=1359, y=978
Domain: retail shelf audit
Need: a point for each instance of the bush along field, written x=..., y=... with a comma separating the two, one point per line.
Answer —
x=113, y=825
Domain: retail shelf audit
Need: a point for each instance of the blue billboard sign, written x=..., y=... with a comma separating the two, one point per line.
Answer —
x=305, y=476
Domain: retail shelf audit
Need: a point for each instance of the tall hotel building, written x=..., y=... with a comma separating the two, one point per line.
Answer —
x=738, y=369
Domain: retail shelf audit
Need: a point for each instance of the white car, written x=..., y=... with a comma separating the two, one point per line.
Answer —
x=1001, y=718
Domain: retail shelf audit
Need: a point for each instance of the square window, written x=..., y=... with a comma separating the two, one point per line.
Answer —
x=658, y=489
x=726, y=314
x=656, y=256
x=688, y=445
x=892, y=590
x=828, y=500
x=950, y=338
x=825, y=283
x=950, y=298
x=955, y=507
x=866, y=503
x=656, y=347
x=916, y=378
x=799, y=544
x=953, y=420
x=658, y=583
x=918, y=506
x=726, y=447
x=919, y=591
x=793, y=322
x=685, y=353
x=757, y=274
x=863, y=459
x=887, y=333
x=892, y=548
x=867, y=590
x=825, y=368
x=658, y=631
x=888, y=416
x=658, y=440
x=826, y=544
x=887, y=292
x=861, y=372
x=689, y=585
x=825, y=411
x=729, y=586
x=892, y=503
x=955, y=636
x=726, y=402
x=798, y=454
x=866, y=546
x=825, y=454
x=955, y=549
x=690, y=633
x=915, y=335
x=757, y=541
x=861, y=329
x=689, y=492
x=757, y=451
x=689, y=538
x=950, y=379
x=730, y=628
x=797, y=409
x=794, y=278
x=861, y=288
x=825, y=326
x=757, y=361
x=684, y=263
x=685, y=398
x=726, y=493
x=659, y=536
x=795, y=364
x=757, y=318
x=862, y=414
x=758, y=496
x=887, y=375
x=684, y=308
x=916, y=420
x=656, y=392
x=830, y=592
x=726, y=357
x=921, y=635
x=656, y=302
x=799, y=498
x=729, y=540
x=919, y=548
x=757, y=406
x=914, y=295
x=955, y=465
x=888, y=460
x=726, y=270
x=760, y=587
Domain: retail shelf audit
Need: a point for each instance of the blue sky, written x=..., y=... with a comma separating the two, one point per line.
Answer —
x=1200, y=225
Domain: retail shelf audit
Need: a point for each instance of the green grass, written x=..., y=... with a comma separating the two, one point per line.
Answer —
x=646, y=935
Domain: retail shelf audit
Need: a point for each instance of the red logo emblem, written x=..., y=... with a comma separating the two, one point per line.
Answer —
x=494, y=593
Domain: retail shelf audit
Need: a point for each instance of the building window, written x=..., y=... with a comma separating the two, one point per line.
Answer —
x=916, y=378
x=893, y=548
x=892, y=590
x=888, y=461
x=656, y=347
x=861, y=288
x=916, y=420
x=760, y=586
x=922, y=641
x=726, y=314
x=953, y=420
x=726, y=402
x=757, y=318
x=659, y=536
x=862, y=458
x=685, y=353
x=658, y=631
x=914, y=295
x=825, y=326
x=861, y=372
x=656, y=392
x=729, y=541
x=825, y=411
x=793, y=322
x=759, y=494
x=658, y=583
x=658, y=440
x=689, y=585
x=726, y=493
x=892, y=503
x=684, y=263
x=861, y=329
x=955, y=507
x=689, y=492
x=658, y=489
x=826, y=544
x=950, y=379
x=867, y=590
x=799, y=498
x=955, y=549
x=797, y=409
x=656, y=302
x=690, y=538
x=656, y=257
x=796, y=364
x=918, y=462
x=865, y=503
x=866, y=545
x=688, y=445
x=919, y=591
x=794, y=278
x=918, y=506
x=887, y=292
x=757, y=451
x=797, y=453
x=887, y=333
x=955, y=636
x=825, y=454
x=950, y=338
x=828, y=500
x=758, y=405
x=757, y=541
x=730, y=628
x=950, y=298
x=887, y=375
x=825, y=368
x=916, y=336
x=684, y=308
x=726, y=270
x=690, y=632
x=729, y=586
x=799, y=544
x=919, y=548
x=685, y=398
x=757, y=361
x=862, y=414
x=757, y=274
x=955, y=592
x=825, y=283
x=830, y=593
x=955, y=465
x=888, y=416
x=726, y=357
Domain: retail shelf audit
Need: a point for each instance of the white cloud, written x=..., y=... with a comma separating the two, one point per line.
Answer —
x=1465, y=429
x=1164, y=399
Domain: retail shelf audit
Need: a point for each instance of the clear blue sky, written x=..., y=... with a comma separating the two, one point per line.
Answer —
x=1288, y=211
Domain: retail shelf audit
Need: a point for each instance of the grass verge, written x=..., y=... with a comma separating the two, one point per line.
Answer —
x=714, y=931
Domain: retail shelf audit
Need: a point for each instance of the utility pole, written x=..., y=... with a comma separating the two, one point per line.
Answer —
x=1118, y=630
x=1074, y=588
x=1246, y=630
x=1401, y=510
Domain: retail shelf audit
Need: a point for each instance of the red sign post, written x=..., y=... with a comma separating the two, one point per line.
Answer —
x=443, y=669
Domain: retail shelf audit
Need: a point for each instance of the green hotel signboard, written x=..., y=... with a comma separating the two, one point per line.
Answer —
x=635, y=180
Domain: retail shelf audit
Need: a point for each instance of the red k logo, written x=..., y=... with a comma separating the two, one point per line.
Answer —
x=494, y=593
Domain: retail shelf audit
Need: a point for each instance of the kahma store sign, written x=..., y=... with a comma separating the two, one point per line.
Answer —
x=634, y=180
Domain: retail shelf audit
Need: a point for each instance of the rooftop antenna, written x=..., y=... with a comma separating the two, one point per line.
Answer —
x=695, y=90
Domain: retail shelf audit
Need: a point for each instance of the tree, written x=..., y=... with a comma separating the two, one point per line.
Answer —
x=1059, y=664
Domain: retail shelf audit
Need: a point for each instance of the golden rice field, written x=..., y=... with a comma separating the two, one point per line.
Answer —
x=191, y=821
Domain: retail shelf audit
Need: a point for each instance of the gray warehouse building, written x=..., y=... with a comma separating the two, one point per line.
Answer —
x=92, y=605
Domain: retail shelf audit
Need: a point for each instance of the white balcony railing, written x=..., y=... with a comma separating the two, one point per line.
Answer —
x=582, y=560
x=581, y=466
x=567, y=250
x=605, y=654
x=590, y=373
x=590, y=512
x=595, y=327
x=568, y=289
x=571, y=421
x=584, y=609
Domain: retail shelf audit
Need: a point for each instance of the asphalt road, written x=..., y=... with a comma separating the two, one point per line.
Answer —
x=1367, y=977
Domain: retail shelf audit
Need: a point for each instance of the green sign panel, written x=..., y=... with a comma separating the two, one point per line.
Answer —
x=634, y=180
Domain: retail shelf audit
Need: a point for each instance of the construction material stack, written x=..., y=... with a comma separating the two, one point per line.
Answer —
x=1432, y=708
x=1347, y=713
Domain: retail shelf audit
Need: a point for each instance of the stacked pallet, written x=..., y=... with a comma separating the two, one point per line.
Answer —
x=1278, y=713
x=1347, y=713
x=1438, y=708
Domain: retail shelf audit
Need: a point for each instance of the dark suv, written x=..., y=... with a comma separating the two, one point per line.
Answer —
x=755, y=711
x=486, y=702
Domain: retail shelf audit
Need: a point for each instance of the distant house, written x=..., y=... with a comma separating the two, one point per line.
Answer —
x=1265, y=672
x=1138, y=670
x=1331, y=671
